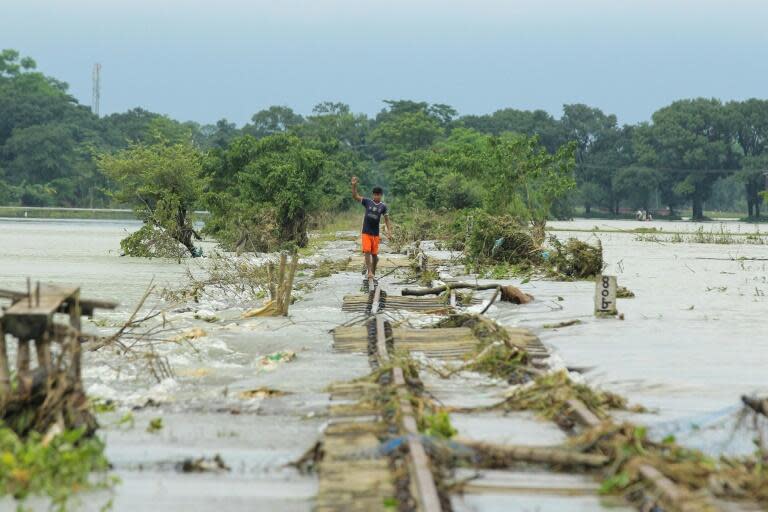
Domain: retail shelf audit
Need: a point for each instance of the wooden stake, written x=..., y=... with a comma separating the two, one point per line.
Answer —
x=271, y=276
x=43, y=348
x=22, y=366
x=5, y=373
x=280, y=278
x=289, y=284
x=74, y=339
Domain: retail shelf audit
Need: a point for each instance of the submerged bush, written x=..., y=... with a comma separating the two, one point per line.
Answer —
x=152, y=242
x=576, y=259
x=488, y=238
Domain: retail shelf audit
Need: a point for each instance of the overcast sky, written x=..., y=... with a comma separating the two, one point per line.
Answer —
x=203, y=60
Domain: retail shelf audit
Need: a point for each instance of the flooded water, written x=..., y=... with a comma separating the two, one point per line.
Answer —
x=692, y=341
x=201, y=408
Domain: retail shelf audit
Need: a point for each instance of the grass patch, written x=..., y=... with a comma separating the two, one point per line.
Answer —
x=327, y=268
x=719, y=236
x=437, y=425
x=500, y=361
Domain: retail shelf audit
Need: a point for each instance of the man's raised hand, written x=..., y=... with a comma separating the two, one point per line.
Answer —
x=355, y=181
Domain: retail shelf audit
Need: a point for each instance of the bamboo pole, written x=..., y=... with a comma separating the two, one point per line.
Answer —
x=74, y=340
x=289, y=285
x=418, y=292
x=271, y=277
x=280, y=277
x=544, y=455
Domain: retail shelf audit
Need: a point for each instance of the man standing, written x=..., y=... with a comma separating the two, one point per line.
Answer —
x=374, y=210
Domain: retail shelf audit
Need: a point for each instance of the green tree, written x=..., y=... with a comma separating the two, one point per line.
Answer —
x=527, y=122
x=523, y=179
x=271, y=121
x=601, y=149
x=163, y=183
x=405, y=132
x=749, y=122
x=755, y=176
x=691, y=141
x=264, y=191
x=636, y=185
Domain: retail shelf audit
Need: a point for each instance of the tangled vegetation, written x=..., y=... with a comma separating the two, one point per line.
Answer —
x=484, y=329
x=576, y=259
x=630, y=447
x=550, y=393
x=55, y=466
x=149, y=241
x=231, y=278
x=487, y=238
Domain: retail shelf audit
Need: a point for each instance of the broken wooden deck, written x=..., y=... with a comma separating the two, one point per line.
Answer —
x=353, y=475
x=437, y=305
x=441, y=343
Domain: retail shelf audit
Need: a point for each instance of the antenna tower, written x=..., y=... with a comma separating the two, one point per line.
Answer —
x=96, y=93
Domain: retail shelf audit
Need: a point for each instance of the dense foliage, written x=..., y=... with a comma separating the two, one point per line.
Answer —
x=698, y=154
x=163, y=182
x=55, y=467
x=263, y=191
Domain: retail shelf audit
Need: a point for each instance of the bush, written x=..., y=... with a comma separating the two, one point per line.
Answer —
x=152, y=242
x=489, y=238
x=53, y=467
x=576, y=259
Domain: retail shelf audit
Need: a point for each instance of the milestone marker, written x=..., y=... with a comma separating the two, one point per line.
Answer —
x=605, y=295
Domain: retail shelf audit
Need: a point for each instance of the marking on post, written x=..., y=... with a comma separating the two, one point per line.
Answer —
x=605, y=295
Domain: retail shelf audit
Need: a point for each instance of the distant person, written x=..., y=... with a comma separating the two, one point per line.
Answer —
x=639, y=215
x=374, y=210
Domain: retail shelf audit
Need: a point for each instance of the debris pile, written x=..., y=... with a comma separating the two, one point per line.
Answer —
x=576, y=259
x=487, y=238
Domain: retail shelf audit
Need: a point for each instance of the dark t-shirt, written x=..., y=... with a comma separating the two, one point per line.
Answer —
x=373, y=213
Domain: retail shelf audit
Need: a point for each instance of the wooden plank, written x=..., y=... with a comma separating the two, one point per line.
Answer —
x=376, y=300
x=381, y=340
x=49, y=302
x=88, y=305
x=508, y=481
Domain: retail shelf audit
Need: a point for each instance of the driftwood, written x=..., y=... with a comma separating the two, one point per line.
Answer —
x=495, y=456
x=509, y=293
x=420, y=292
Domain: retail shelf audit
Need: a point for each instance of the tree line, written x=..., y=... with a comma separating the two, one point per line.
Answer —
x=693, y=153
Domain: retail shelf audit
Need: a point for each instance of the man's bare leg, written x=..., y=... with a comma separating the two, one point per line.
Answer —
x=374, y=263
x=369, y=264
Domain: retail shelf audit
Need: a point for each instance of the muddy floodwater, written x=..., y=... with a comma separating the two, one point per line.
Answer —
x=692, y=341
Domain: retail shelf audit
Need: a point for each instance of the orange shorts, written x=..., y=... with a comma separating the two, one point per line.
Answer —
x=371, y=243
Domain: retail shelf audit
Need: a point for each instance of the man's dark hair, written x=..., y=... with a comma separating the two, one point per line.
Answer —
x=378, y=190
